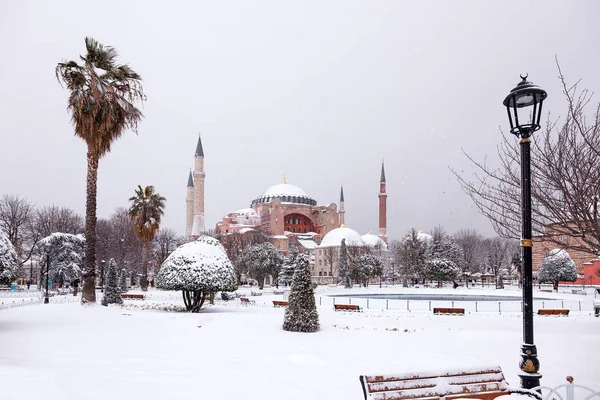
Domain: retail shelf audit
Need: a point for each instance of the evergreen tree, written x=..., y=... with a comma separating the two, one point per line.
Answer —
x=411, y=255
x=112, y=293
x=440, y=269
x=287, y=270
x=261, y=260
x=301, y=314
x=557, y=266
x=344, y=272
x=8, y=260
x=123, y=281
x=364, y=268
x=66, y=255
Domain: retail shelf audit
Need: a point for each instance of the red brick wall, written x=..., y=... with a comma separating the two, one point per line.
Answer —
x=541, y=246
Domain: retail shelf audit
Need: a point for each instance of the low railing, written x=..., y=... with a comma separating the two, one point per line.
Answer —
x=568, y=391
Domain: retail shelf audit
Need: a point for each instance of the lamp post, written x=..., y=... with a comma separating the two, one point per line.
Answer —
x=525, y=96
x=102, y=263
x=46, y=299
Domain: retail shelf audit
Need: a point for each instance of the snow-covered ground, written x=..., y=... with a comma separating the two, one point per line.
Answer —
x=228, y=351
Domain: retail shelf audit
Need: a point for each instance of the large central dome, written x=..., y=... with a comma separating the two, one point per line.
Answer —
x=286, y=193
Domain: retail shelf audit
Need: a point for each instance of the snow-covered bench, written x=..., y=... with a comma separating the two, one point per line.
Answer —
x=477, y=383
x=246, y=301
x=449, y=310
x=275, y=291
x=579, y=291
x=280, y=303
x=256, y=293
x=553, y=311
x=346, y=307
x=133, y=296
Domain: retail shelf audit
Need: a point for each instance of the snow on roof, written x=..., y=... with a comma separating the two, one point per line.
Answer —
x=279, y=237
x=244, y=230
x=334, y=238
x=374, y=241
x=284, y=189
x=246, y=211
x=308, y=244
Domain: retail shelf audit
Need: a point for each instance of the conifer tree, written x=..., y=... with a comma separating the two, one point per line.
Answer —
x=301, y=314
x=343, y=264
x=123, y=281
x=287, y=270
x=112, y=293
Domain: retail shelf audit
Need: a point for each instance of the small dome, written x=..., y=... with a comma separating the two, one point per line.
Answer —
x=286, y=193
x=425, y=237
x=374, y=241
x=334, y=238
x=247, y=212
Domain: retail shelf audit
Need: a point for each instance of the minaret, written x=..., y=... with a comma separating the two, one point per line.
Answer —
x=199, y=175
x=342, y=211
x=382, y=206
x=189, y=206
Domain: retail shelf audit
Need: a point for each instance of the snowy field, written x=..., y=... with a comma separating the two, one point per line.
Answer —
x=66, y=351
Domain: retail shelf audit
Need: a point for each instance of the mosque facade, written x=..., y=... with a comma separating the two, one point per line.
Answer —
x=291, y=218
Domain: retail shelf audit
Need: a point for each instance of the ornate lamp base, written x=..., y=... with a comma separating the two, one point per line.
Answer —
x=530, y=365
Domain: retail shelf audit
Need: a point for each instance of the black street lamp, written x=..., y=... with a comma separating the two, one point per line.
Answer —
x=526, y=95
x=102, y=263
x=46, y=299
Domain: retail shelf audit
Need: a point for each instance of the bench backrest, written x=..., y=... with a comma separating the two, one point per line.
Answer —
x=346, y=307
x=552, y=311
x=478, y=383
x=448, y=310
x=244, y=300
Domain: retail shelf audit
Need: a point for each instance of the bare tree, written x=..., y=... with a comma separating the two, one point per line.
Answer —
x=51, y=219
x=165, y=242
x=565, y=170
x=497, y=254
x=473, y=251
x=330, y=254
x=15, y=213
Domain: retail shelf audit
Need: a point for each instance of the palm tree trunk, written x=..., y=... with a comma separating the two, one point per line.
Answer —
x=88, y=292
x=144, y=280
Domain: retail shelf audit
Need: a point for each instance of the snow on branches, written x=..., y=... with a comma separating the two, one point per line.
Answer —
x=301, y=314
x=112, y=292
x=198, y=269
x=8, y=260
x=557, y=266
x=440, y=269
x=66, y=255
x=261, y=260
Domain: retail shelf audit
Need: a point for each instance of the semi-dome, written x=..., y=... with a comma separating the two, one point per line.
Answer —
x=424, y=237
x=286, y=193
x=375, y=242
x=334, y=238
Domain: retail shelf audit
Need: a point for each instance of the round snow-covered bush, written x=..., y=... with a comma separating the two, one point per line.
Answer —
x=198, y=269
x=557, y=266
x=8, y=261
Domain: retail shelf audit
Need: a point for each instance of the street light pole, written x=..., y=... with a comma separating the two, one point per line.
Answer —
x=46, y=299
x=525, y=95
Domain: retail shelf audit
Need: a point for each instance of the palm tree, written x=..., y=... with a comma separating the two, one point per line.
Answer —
x=102, y=105
x=147, y=207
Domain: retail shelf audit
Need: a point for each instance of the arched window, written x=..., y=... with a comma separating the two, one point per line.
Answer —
x=320, y=273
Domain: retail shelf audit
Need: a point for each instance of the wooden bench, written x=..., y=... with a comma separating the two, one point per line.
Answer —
x=346, y=307
x=553, y=311
x=246, y=301
x=275, y=291
x=484, y=383
x=449, y=310
x=280, y=303
x=256, y=293
x=579, y=291
x=134, y=296
x=547, y=290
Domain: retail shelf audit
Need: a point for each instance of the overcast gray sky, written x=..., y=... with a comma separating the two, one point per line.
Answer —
x=318, y=90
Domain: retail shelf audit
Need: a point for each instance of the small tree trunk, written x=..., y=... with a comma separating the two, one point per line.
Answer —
x=75, y=290
x=88, y=294
x=555, y=286
x=144, y=280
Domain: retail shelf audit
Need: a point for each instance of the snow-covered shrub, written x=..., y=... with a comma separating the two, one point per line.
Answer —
x=367, y=266
x=301, y=314
x=557, y=266
x=440, y=269
x=66, y=255
x=112, y=292
x=8, y=261
x=261, y=260
x=198, y=269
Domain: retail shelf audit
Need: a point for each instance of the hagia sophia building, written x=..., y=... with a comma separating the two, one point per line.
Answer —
x=292, y=218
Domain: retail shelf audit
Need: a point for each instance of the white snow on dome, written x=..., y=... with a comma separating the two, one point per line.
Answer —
x=334, y=238
x=374, y=241
x=424, y=236
x=284, y=189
